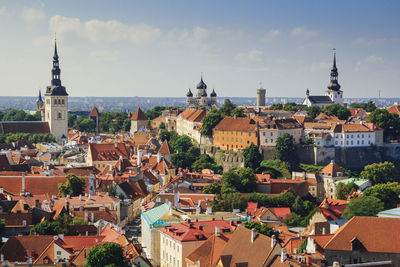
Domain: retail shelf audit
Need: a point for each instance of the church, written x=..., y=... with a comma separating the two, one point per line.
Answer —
x=201, y=98
x=332, y=96
x=54, y=109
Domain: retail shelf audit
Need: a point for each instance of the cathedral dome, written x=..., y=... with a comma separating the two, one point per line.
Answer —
x=201, y=84
x=204, y=94
x=213, y=94
x=189, y=94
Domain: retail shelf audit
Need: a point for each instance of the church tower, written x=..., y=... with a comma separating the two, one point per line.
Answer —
x=334, y=91
x=56, y=103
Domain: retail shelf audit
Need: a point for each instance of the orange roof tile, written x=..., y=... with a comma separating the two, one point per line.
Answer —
x=94, y=112
x=165, y=148
x=238, y=124
x=331, y=170
x=139, y=115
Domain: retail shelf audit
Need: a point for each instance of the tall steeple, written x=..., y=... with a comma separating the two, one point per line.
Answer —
x=39, y=102
x=55, y=71
x=334, y=84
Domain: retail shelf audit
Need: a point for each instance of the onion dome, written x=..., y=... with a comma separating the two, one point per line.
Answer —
x=213, y=94
x=204, y=94
x=189, y=94
x=201, y=84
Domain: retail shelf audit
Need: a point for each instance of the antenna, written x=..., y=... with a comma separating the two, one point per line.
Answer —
x=260, y=83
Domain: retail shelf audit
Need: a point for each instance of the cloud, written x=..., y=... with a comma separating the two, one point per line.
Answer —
x=33, y=15
x=104, y=55
x=250, y=56
x=246, y=70
x=271, y=35
x=187, y=37
x=368, y=62
x=318, y=66
x=303, y=32
x=375, y=42
x=111, y=31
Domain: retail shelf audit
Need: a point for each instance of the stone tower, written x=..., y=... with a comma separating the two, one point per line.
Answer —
x=261, y=97
x=56, y=103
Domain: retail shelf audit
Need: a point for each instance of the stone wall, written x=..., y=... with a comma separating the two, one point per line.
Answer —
x=229, y=160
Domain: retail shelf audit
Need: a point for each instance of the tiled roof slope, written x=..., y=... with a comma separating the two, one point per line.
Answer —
x=139, y=115
x=238, y=124
x=38, y=127
x=375, y=235
x=94, y=112
x=165, y=148
x=108, y=152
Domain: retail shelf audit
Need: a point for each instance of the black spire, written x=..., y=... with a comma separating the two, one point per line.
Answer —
x=334, y=84
x=40, y=96
x=55, y=71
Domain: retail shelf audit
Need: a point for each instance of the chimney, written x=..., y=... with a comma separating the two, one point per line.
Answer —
x=323, y=231
x=217, y=233
x=100, y=227
x=1, y=190
x=86, y=216
x=158, y=157
x=336, y=264
x=115, y=145
x=23, y=184
x=253, y=235
x=283, y=254
x=273, y=241
x=37, y=203
x=80, y=196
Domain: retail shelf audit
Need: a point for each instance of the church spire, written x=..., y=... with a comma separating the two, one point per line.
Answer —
x=55, y=71
x=334, y=84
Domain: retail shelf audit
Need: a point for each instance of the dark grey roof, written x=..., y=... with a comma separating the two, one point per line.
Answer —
x=316, y=99
x=34, y=127
x=56, y=90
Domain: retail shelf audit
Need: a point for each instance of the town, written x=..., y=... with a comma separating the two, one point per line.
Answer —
x=205, y=182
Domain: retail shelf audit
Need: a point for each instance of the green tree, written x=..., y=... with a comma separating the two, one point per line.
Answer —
x=209, y=122
x=241, y=179
x=291, y=107
x=206, y=162
x=227, y=107
x=214, y=188
x=343, y=190
x=182, y=144
x=388, y=194
x=45, y=228
x=261, y=228
x=162, y=126
x=276, y=168
x=363, y=206
x=106, y=254
x=155, y=112
x=72, y=119
x=390, y=122
x=252, y=157
x=286, y=151
x=238, y=112
x=86, y=125
x=111, y=190
x=74, y=186
x=379, y=173
x=276, y=107
x=338, y=110
x=313, y=111
x=368, y=107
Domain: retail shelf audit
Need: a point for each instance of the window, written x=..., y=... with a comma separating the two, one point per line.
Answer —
x=55, y=101
x=248, y=142
x=266, y=140
x=272, y=140
x=336, y=142
x=63, y=101
x=272, y=134
x=236, y=139
x=362, y=142
x=362, y=135
x=358, y=136
x=223, y=138
x=351, y=141
x=231, y=139
x=59, y=115
x=48, y=101
x=249, y=134
x=263, y=133
x=358, y=142
x=58, y=253
x=347, y=142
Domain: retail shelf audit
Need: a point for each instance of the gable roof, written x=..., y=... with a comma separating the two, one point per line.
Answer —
x=375, y=235
x=394, y=109
x=238, y=124
x=320, y=99
x=38, y=127
x=94, y=112
x=332, y=170
x=108, y=152
x=20, y=248
x=165, y=148
x=194, y=115
x=139, y=115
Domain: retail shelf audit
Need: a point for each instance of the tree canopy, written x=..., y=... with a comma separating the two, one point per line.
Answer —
x=252, y=157
x=379, y=173
x=313, y=111
x=363, y=206
x=106, y=254
x=368, y=107
x=240, y=179
x=74, y=186
x=387, y=193
x=182, y=144
x=286, y=151
x=209, y=122
x=338, y=110
x=206, y=162
x=390, y=122
x=343, y=190
x=155, y=112
x=227, y=108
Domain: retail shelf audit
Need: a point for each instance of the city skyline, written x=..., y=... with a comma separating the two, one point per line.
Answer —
x=159, y=49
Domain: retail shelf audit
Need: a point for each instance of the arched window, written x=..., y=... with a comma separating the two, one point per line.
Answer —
x=59, y=115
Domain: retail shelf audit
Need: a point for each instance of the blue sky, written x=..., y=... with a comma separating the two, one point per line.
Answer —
x=159, y=48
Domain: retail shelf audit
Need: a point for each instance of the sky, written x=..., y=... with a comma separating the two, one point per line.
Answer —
x=160, y=48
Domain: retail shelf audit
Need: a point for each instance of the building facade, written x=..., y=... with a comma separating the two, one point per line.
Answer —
x=201, y=98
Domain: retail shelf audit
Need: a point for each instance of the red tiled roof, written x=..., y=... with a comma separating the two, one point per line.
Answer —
x=332, y=209
x=394, y=109
x=139, y=115
x=94, y=113
x=165, y=148
x=194, y=115
x=33, y=185
x=108, y=152
x=332, y=170
x=238, y=124
x=251, y=207
x=374, y=234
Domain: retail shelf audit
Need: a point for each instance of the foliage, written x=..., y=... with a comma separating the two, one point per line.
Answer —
x=85, y=124
x=252, y=156
x=113, y=122
x=309, y=141
x=170, y=136
x=72, y=118
x=276, y=107
x=227, y=108
x=368, y=107
x=291, y=107
x=286, y=151
x=19, y=115
x=303, y=208
x=261, y=228
x=303, y=246
x=182, y=144
x=285, y=199
x=62, y=225
x=229, y=201
x=162, y=125
x=387, y=193
x=338, y=110
x=390, y=122
x=276, y=168
x=363, y=206
x=240, y=179
x=313, y=111
x=74, y=186
x=206, y=162
x=111, y=190
x=238, y=112
x=31, y=138
x=379, y=173
x=214, y=188
x=209, y=122
x=343, y=190
x=311, y=168
x=155, y=112
x=106, y=254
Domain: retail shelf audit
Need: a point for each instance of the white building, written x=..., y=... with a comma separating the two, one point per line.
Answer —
x=189, y=123
x=201, y=98
x=353, y=135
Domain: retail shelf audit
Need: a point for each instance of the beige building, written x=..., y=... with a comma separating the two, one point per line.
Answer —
x=189, y=123
x=138, y=121
x=102, y=156
x=330, y=174
x=271, y=129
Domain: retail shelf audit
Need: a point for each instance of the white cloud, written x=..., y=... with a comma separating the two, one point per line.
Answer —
x=3, y=11
x=250, y=56
x=318, y=66
x=104, y=55
x=33, y=15
x=271, y=35
x=368, y=62
x=187, y=37
x=303, y=32
x=375, y=42
x=110, y=31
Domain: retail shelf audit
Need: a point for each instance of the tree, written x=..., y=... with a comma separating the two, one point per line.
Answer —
x=390, y=122
x=276, y=107
x=241, y=180
x=45, y=228
x=206, y=162
x=111, y=190
x=368, y=107
x=227, y=107
x=261, y=228
x=380, y=173
x=286, y=151
x=106, y=254
x=162, y=125
x=343, y=190
x=338, y=110
x=238, y=112
x=72, y=119
x=155, y=112
x=363, y=206
x=387, y=193
x=252, y=156
x=291, y=107
x=86, y=125
x=209, y=122
x=313, y=111
x=213, y=188
x=182, y=144
x=74, y=186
